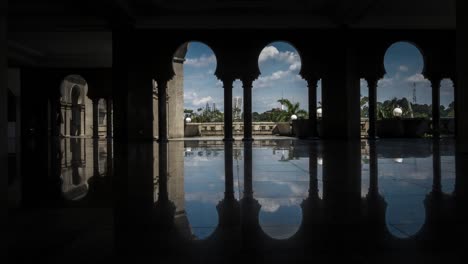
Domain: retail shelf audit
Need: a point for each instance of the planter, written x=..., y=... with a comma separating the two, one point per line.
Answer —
x=407, y=128
x=283, y=129
x=390, y=128
x=416, y=127
x=301, y=128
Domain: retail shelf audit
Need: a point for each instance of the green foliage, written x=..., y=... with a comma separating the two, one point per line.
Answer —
x=204, y=115
x=385, y=109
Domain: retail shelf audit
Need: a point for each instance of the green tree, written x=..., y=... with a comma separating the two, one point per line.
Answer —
x=291, y=109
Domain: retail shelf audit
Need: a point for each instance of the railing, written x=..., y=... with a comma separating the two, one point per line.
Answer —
x=217, y=129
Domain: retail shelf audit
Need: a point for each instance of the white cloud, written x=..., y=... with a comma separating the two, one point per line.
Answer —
x=202, y=61
x=289, y=57
x=268, y=81
x=197, y=100
x=268, y=53
x=403, y=68
x=418, y=78
x=202, y=101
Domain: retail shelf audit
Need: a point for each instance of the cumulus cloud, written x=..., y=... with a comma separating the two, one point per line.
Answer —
x=289, y=57
x=403, y=68
x=202, y=61
x=197, y=100
x=268, y=53
x=416, y=78
x=267, y=81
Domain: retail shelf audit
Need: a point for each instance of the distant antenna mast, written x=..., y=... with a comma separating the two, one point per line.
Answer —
x=414, y=93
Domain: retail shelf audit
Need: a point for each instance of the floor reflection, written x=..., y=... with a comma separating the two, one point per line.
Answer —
x=262, y=196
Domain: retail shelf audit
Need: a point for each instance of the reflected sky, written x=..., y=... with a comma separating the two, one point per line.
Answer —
x=281, y=179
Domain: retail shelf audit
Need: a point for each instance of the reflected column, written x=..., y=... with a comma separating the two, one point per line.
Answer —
x=250, y=208
x=312, y=207
x=228, y=208
x=376, y=205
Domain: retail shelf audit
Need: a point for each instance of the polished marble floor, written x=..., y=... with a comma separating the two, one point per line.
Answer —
x=274, y=201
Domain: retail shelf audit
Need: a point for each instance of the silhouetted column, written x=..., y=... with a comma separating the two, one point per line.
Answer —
x=54, y=116
x=109, y=117
x=3, y=97
x=227, y=84
x=82, y=120
x=162, y=111
x=461, y=82
x=435, y=82
x=96, y=118
x=341, y=90
x=247, y=85
x=372, y=84
x=436, y=168
x=312, y=84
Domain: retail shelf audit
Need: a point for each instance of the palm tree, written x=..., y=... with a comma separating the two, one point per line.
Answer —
x=291, y=109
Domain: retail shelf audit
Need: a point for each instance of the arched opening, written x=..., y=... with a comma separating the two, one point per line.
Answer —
x=280, y=94
x=197, y=91
x=404, y=97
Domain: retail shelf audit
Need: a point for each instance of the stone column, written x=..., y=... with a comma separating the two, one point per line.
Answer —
x=54, y=116
x=312, y=84
x=435, y=82
x=82, y=120
x=247, y=85
x=162, y=111
x=227, y=84
x=341, y=90
x=109, y=117
x=372, y=84
x=3, y=98
x=95, y=118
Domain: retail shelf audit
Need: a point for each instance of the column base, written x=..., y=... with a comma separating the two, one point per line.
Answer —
x=228, y=139
x=247, y=139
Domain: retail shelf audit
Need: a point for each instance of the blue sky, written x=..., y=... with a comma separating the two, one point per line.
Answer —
x=280, y=64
